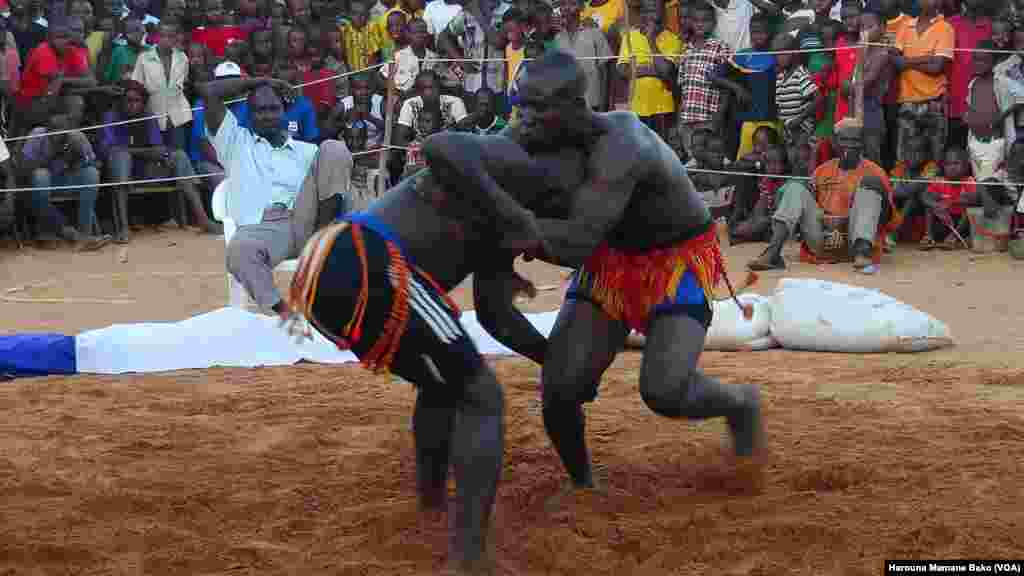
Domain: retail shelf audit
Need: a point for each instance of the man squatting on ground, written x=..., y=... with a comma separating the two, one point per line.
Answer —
x=307, y=184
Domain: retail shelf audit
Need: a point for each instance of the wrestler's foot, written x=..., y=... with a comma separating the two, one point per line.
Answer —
x=557, y=501
x=746, y=426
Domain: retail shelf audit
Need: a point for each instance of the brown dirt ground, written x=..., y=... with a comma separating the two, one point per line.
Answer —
x=309, y=469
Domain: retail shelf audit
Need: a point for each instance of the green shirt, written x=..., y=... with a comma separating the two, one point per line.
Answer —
x=122, y=56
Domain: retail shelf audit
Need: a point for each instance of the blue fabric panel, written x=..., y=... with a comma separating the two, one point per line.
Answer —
x=37, y=354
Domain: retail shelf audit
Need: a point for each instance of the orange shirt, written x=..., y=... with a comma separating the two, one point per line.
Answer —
x=834, y=188
x=938, y=40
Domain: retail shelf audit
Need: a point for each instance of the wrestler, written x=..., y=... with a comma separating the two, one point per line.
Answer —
x=377, y=283
x=647, y=258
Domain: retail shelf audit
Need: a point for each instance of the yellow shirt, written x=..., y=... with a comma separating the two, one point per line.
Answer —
x=938, y=40
x=359, y=45
x=606, y=14
x=650, y=95
x=94, y=43
x=379, y=26
x=513, y=58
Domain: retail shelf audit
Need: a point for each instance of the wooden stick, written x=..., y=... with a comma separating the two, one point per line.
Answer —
x=389, y=119
x=858, y=79
x=632, y=57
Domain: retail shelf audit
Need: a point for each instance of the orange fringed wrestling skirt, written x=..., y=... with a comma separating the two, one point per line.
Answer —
x=630, y=286
x=353, y=285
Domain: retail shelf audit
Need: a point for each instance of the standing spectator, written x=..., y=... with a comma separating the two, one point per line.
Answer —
x=470, y=35
x=699, y=95
x=10, y=77
x=926, y=47
x=413, y=59
x=795, y=93
x=1009, y=79
x=299, y=119
x=23, y=23
x=216, y=33
x=136, y=150
x=199, y=69
x=877, y=73
x=139, y=10
x=986, y=144
x=846, y=56
x=427, y=112
x=732, y=22
x=483, y=120
x=124, y=56
x=969, y=28
x=439, y=13
x=757, y=96
x=360, y=42
x=52, y=66
x=411, y=9
x=304, y=187
x=82, y=9
x=542, y=24
x=513, y=28
x=163, y=71
x=62, y=159
x=604, y=13
x=392, y=38
x=590, y=47
x=261, y=41
x=646, y=45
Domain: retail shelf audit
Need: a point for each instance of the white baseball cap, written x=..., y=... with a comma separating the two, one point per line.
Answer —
x=227, y=69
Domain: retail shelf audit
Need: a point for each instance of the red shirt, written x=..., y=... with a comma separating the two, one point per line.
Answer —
x=968, y=34
x=216, y=39
x=321, y=94
x=949, y=194
x=43, y=63
x=843, y=68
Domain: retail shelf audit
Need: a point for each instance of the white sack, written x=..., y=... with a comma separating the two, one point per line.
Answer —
x=809, y=314
x=730, y=331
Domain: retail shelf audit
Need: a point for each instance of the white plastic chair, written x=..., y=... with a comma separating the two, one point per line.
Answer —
x=220, y=204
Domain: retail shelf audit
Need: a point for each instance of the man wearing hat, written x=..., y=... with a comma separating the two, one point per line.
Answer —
x=849, y=186
x=304, y=186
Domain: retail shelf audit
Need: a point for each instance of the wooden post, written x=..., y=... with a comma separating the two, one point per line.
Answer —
x=389, y=120
x=632, y=55
x=858, y=79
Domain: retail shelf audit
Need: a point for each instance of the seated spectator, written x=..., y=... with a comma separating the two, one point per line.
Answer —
x=52, y=66
x=361, y=187
x=305, y=187
x=756, y=225
x=849, y=187
x=136, y=151
x=360, y=41
x=438, y=112
x=985, y=142
x=216, y=34
x=946, y=200
x=993, y=198
x=163, y=71
x=62, y=159
x=483, y=120
x=655, y=74
x=907, y=195
x=409, y=61
x=362, y=106
x=123, y=56
x=747, y=191
x=717, y=188
x=299, y=118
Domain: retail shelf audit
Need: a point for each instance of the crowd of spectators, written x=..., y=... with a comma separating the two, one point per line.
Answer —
x=745, y=91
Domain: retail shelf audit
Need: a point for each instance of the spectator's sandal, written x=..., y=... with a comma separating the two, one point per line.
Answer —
x=950, y=243
x=926, y=244
x=92, y=243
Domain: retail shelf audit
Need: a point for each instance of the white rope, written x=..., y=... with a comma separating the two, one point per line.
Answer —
x=807, y=178
x=107, y=184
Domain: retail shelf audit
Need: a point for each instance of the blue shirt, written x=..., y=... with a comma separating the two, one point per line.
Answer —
x=759, y=74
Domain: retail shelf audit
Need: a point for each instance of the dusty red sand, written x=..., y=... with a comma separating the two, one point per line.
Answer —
x=309, y=470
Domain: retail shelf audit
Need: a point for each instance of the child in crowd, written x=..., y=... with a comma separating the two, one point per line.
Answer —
x=514, y=25
x=217, y=32
x=756, y=224
x=297, y=50
x=717, y=189
x=699, y=96
x=361, y=106
x=123, y=56
x=747, y=187
x=652, y=93
x=484, y=119
x=919, y=165
x=820, y=65
x=392, y=39
x=361, y=43
x=416, y=120
x=969, y=27
x=985, y=143
x=299, y=114
x=795, y=91
x=412, y=59
x=946, y=200
x=755, y=94
x=877, y=72
x=261, y=42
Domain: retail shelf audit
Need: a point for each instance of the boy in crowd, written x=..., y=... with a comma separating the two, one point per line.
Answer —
x=945, y=201
x=427, y=112
x=719, y=190
x=969, y=28
x=362, y=106
x=217, y=33
x=652, y=93
x=392, y=35
x=877, y=73
x=484, y=119
x=123, y=56
x=412, y=59
x=795, y=91
x=756, y=225
x=918, y=166
x=361, y=43
x=985, y=142
x=699, y=78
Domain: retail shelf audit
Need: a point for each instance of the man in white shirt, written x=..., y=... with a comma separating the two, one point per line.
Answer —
x=304, y=187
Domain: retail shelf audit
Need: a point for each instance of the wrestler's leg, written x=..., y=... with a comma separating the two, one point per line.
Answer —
x=671, y=384
x=582, y=344
x=433, y=422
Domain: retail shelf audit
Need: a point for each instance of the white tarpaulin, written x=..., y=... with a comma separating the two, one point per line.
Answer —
x=229, y=337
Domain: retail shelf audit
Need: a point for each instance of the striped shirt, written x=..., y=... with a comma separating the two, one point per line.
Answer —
x=794, y=94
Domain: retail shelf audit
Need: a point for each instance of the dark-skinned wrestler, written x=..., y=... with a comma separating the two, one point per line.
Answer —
x=377, y=282
x=646, y=254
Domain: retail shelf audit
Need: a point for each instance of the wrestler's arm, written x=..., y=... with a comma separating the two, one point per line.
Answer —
x=597, y=206
x=494, y=293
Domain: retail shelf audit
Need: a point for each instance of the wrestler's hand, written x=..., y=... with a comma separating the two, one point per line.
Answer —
x=296, y=327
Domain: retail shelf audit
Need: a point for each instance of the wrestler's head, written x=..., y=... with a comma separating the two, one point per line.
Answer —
x=850, y=143
x=265, y=112
x=551, y=98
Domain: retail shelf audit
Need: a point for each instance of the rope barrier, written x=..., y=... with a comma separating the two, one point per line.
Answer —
x=808, y=178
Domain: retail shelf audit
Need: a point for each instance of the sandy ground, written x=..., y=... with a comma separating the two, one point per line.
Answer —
x=309, y=469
